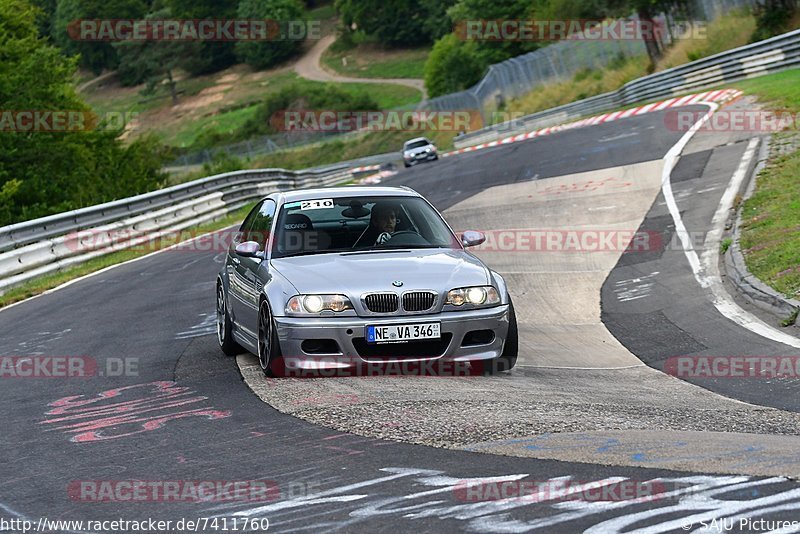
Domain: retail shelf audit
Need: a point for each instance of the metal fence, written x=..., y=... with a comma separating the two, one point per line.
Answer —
x=764, y=57
x=503, y=81
x=519, y=75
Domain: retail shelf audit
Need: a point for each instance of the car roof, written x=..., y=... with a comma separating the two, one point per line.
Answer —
x=417, y=139
x=345, y=191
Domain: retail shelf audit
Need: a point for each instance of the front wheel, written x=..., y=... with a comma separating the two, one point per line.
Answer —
x=508, y=358
x=269, y=351
x=224, y=336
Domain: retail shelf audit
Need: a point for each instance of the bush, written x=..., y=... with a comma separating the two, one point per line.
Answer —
x=453, y=65
x=293, y=97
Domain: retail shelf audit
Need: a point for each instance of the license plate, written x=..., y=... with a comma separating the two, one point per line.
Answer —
x=398, y=333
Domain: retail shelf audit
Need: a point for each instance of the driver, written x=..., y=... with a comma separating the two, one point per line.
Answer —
x=382, y=224
x=383, y=221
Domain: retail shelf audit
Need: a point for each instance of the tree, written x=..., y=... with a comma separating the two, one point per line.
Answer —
x=46, y=17
x=44, y=172
x=206, y=56
x=94, y=55
x=266, y=53
x=773, y=17
x=493, y=10
x=453, y=65
x=151, y=61
x=404, y=23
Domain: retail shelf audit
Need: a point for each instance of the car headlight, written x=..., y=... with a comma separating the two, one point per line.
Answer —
x=476, y=296
x=313, y=304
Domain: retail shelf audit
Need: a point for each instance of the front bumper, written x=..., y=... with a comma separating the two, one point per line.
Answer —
x=349, y=333
x=413, y=160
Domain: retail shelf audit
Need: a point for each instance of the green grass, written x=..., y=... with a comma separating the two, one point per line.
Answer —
x=368, y=60
x=583, y=85
x=179, y=127
x=729, y=31
x=780, y=90
x=325, y=12
x=42, y=284
x=221, y=123
x=386, y=96
x=770, y=237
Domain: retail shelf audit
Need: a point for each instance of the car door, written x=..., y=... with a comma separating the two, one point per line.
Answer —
x=246, y=270
x=232, y=263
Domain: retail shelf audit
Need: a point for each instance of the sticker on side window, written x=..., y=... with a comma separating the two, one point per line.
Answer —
x=316, y=204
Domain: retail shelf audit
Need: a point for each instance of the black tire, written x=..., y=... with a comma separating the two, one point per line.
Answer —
x=406, y=164
x=224, y=328
x=436, y=157
x=269, y=350
x=508, y=359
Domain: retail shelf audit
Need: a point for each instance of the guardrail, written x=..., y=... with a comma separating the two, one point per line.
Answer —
x=49, y=244
x=764, y=57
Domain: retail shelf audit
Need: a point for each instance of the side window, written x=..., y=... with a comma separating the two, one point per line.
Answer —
x=241, y=235
x=262, y=223
x=248, y=221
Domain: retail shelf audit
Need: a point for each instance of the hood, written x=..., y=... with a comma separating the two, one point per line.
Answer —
x=355, y=274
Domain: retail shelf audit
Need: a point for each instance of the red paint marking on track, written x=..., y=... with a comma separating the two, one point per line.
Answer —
x=100, y=418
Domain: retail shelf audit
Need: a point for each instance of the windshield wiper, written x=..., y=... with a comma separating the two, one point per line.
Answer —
x=312, y=252
x=397, y=248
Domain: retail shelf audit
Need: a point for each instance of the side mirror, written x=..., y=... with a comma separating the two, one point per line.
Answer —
x=249, y=249
x=471, y=238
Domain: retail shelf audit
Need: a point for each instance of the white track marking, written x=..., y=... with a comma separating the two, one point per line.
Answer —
x=707, y=272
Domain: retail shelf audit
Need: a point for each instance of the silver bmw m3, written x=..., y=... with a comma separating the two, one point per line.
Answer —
x=335, y=278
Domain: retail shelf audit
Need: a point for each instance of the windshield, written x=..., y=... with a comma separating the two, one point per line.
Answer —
x=362, y=223
x=417, y=144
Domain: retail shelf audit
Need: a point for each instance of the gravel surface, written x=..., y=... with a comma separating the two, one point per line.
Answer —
x=458, y=412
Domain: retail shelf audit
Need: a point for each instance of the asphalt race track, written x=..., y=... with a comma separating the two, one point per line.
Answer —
x=594, y=417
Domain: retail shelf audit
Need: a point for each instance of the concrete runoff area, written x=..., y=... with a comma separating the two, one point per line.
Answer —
x=556, y=291
x=572, y=375
x=717, y=452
